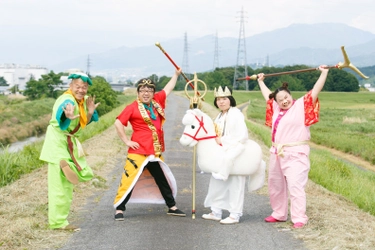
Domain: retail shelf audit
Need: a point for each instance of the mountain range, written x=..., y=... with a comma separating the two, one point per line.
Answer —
x=310, y=44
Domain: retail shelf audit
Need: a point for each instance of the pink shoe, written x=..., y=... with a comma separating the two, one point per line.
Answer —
x=298, y=225
x=270, y=219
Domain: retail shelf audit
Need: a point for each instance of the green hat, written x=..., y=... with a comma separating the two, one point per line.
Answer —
x=81, y=75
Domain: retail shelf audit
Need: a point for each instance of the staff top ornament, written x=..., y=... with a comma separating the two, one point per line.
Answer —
x=222, y=93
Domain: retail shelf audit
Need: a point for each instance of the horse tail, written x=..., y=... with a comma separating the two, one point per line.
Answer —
x=256, y=180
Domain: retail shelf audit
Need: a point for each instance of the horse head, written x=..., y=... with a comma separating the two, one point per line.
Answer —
x=198, y=126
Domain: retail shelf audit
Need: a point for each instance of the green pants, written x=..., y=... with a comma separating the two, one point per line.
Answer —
x=60, y=193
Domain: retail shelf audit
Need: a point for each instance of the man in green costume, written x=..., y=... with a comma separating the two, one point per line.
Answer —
x=67, y=165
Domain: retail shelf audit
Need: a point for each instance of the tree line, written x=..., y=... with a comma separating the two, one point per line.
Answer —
x=49, y=86
x=337, y=80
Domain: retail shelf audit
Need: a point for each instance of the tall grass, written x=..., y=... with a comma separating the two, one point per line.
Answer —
x=340, y=177
x=20, y=119
x=14, y=165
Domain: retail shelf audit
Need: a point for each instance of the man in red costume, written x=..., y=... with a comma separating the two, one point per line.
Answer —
x=146, y=178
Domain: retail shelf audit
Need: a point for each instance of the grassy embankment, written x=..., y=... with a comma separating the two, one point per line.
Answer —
x=347, y=124
x=14, y=165
x=20, y=119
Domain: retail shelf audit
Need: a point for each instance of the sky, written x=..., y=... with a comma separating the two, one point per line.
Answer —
x=140, y=22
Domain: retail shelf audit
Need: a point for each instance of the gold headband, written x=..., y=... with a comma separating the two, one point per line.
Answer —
x=145, y=82
x=221, y=93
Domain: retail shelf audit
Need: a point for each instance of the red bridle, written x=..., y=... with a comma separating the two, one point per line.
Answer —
x=201, y=125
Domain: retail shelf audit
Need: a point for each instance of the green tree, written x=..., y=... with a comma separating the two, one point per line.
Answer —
x=44, y=87
x=36, y=90
x=14, y=89
x=3, y=82
x=216, y=79
x=161, y=82
x=294, y=84
x=104, y=94
x=342, y=82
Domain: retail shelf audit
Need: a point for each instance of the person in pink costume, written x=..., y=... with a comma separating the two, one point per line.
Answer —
x=289, y=162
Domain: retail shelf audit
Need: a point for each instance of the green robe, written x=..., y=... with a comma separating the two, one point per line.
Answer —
x=55, y=149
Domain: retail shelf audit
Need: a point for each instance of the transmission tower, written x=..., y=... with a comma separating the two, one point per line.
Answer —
x=268, y=61
x=216, y=53
x=88, y=65
x=185, y=58
x=241, y=66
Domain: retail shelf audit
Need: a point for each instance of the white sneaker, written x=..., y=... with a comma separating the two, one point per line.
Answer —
x=211, y=216
x=229, y=220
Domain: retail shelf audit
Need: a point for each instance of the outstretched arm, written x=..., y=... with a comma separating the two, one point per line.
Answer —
x=172, y=82
x=265, y=90
x=318, y=86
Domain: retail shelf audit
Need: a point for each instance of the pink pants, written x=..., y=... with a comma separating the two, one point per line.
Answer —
x=288, y=173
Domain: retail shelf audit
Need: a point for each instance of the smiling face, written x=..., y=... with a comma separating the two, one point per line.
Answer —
x=79, y=88
x=223, y=103
x=284, y=99
x=146, y=94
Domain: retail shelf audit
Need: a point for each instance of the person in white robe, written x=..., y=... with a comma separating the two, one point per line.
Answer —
x=225, y=191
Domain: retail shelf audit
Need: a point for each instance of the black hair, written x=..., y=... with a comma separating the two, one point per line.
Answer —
x=284, y=87
x=145, y=82
x=231, y=98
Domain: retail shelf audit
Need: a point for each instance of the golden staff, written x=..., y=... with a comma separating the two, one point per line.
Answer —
x=194, y=103
x=175, y=65
x=340, y=65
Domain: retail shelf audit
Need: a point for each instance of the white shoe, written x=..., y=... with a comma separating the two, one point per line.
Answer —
x=211, y=216
x=229, y=220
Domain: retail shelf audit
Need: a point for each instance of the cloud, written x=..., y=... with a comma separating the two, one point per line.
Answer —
x=129, y=22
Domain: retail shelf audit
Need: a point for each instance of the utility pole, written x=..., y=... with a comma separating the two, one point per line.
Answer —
x=185, y=58
x=216, y=53
x=241, y=66
x=88, y=65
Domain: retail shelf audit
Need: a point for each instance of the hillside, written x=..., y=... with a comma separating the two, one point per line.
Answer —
x=310, y=44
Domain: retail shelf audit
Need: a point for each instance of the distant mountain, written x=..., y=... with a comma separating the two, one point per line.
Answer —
x=310, y=44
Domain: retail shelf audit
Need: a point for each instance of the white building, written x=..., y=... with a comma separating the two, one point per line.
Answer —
x=19, y=75
x=369, y=87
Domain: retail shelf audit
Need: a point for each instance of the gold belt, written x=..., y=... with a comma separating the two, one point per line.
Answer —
x=280, y=146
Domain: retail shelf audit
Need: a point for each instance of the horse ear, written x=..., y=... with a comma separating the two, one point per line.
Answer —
x=188, y=117
x=198, y=112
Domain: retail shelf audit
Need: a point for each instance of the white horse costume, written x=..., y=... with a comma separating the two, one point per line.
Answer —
x=200, y=130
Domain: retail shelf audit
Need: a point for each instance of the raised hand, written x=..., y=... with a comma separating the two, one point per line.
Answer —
x=69, y=112
x=90, y=104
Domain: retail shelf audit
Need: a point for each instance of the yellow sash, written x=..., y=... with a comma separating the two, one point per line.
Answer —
x=157, y=144
x=280, y=146
x=82, y=112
